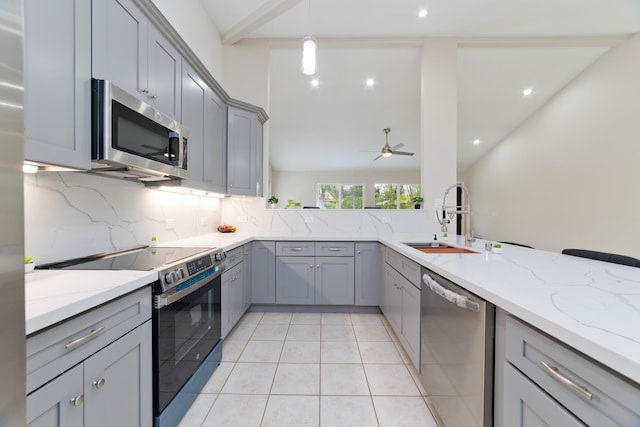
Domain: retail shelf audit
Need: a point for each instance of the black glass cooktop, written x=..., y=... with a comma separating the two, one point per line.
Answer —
x=142, y=259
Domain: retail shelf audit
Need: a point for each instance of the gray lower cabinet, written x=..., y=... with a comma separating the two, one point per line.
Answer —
x=263, y=272
x=401, y=304
x=295, y=280
x=368, y=273
x=247, y=279
x=130, y=52
x=540, y=381
x=57, y=76
x=95, y=369
x=232, y=298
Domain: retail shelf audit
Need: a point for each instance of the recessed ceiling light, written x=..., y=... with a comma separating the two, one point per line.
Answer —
x=476, y=141
x=423, y=13
x=315, y=82
x=370, y=82
x=528, y=91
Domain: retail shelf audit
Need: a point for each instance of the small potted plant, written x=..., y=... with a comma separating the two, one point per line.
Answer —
x=293, y=204
x=417, y=202
x=272, y=202
x=497, y=248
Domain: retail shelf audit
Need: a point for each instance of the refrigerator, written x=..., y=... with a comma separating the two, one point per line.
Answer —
x=12, y=324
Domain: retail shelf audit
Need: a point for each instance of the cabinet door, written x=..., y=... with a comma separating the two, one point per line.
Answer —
x=164, y=74
x=368, y=273
x=246, y=279
x=334, y=280
x=119, y=31
x=263, y=273
x=392, y=298
x=57, y=76
x=295, y=280
x=215, y=145
x=241, y=151
x=194, y=98
x=52, y=405
x=410, y=336
x=528, y=406
x=118, y=382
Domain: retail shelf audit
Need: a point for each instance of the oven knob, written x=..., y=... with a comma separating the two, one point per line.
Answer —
x=218, y=256
x=168, y=278
x=180, y=273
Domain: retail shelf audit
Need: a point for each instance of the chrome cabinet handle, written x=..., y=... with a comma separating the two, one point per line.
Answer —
x=153, y=97
x=358, y=252
x=98, y=383
x=73, y=344
x=295, y=249
x=310, y=265
x=553, y=371
x=317, y=265
x=77, y=401
x=334, y=249
x=145, y=90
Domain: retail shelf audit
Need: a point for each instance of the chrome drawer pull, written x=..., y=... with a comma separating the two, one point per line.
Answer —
x=77, y=401
x=334, y=249
x=553, y=371
x=73, y=344
x=295, y=249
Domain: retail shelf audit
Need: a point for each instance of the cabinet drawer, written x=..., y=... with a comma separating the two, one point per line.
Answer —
x=295, y=249
x=60, y=347
x=234, y=257
x=335, y=248
x=614, y=399
x=404, y=266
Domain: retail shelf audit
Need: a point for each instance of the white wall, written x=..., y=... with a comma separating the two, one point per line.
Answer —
x=191, y=21
x=71, y=214
x=301, y=186
x=568, y=176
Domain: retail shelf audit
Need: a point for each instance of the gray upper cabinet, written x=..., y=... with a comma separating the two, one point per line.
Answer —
x=130, y=52
x=243, y=140
x=194, y=101
x=57, y=75
x=215, y=145
x=368, y=273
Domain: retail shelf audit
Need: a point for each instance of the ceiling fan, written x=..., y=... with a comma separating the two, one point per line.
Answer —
x=387, y=150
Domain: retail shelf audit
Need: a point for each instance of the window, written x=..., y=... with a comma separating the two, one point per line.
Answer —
x=339, y=196
x=396, y=196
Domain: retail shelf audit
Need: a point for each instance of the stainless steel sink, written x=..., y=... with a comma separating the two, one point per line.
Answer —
x=439, y=248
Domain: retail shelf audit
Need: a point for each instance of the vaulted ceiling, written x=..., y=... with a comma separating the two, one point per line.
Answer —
x=505, y=46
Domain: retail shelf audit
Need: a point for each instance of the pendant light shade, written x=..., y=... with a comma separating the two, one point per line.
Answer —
x=309, y=56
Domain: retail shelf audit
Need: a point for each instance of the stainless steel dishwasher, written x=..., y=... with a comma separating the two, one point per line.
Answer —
x=456, y=353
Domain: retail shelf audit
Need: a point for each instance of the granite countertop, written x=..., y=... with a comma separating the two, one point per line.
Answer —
x=592, y=306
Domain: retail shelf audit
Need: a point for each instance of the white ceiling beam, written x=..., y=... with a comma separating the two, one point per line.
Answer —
x=266, y=13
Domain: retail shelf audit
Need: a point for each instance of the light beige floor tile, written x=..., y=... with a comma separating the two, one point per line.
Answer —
x=298, y=411
x=241, y=332
x=343, y=379
x=300, y=352
x=347, y=411
x=365, y=319
x=379, y=352
x=403, y=412
x=371, y=333
x=336, y=319
x=306, y=318
x=198, y=410
x=236, y=410
x=261, y=351
x=231, y=350
x=252, y=317
x=219, y=377
x=339, y=352
x=250, y=378
x=303, y=333
x=390, y=380
x=276, y=318
x=270, y=332
x=297, y=378
x=337, y=333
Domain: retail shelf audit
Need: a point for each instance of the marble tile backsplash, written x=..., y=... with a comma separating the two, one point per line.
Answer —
x=69, y=214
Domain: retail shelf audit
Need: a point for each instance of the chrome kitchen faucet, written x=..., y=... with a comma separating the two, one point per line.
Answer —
x=464, y=209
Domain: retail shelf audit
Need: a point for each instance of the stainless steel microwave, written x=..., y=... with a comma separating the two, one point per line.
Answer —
x=133, y=139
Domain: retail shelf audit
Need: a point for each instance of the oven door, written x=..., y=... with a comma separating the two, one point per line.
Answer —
x=186, y=327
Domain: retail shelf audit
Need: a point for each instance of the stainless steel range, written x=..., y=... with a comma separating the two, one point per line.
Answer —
x=187, y=344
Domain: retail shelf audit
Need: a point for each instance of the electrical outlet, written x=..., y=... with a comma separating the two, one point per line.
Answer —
x=243, y=218
x=386, y=220
x=170, y=224
x=308, y=219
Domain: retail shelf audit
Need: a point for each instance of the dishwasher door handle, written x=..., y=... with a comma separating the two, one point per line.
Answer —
x=460, y=300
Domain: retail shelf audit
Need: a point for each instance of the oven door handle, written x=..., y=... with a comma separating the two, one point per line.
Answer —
x=166, y=299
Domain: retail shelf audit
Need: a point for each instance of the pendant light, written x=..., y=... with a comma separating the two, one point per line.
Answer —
x=309, y=47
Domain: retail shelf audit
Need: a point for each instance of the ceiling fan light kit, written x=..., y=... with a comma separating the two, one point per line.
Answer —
x=309, y=46
x=387, y=150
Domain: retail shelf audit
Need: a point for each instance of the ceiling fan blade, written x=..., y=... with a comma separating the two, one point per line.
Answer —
x=378, y=157
x=397, y=146
x=402, y=153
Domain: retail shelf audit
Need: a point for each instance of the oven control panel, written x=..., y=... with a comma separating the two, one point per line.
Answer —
x=186, y=273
